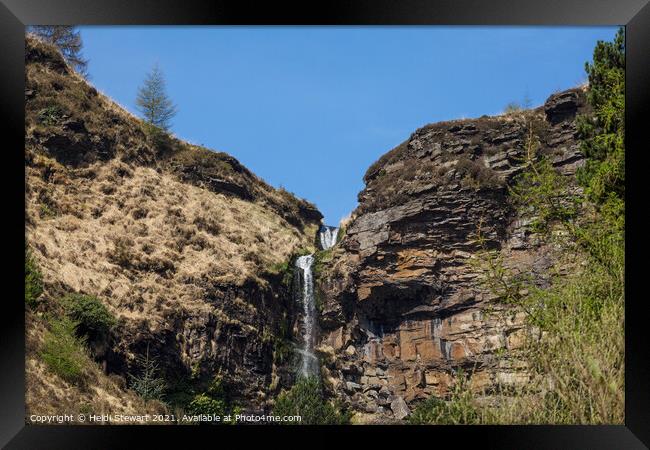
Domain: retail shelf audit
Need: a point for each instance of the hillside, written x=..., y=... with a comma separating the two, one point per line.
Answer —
x=183, y=245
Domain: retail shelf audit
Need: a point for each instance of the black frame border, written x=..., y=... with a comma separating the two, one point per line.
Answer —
x=634, y=14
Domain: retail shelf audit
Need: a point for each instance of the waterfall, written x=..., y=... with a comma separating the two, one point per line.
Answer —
x=309, y=365
x=328, y=236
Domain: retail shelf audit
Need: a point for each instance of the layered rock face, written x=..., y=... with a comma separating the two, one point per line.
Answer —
x=404, y=301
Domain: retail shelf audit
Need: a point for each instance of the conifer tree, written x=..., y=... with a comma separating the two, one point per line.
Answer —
x=68, y=40
x=148, y=384
x=153, y=102
x=603, y=131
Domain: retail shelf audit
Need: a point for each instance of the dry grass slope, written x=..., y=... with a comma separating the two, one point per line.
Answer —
x=149, y=224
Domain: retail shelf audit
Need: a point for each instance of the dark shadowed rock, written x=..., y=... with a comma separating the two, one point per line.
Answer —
x=563, y=106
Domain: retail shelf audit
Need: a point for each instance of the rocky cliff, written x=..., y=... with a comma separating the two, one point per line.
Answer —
x=183, y=245
x=403, y=301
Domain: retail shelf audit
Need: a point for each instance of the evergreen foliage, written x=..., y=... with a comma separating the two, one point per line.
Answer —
x=206, y=404
x=148, y=384
x=215, y=401
x=153, y=102
x=603, y=132
x=68, y=40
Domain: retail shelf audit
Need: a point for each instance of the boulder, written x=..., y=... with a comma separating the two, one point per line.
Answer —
x=400, y=408
x=562, y=106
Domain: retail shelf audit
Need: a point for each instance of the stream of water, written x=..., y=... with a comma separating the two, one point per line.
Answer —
x=328, y=236
x=308, y=360
x=309, y=365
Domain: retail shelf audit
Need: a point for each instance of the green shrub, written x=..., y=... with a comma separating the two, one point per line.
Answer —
x=215, y=401
x=217, y=389
x=93, y=318
x=321, y=258
x=460, y=409
x=63, y=351
x=33, y=281
x=46, y=211
x=206, y=404
x=159, y=139
x=279, y=267
x=50, y=115
x=306, y=399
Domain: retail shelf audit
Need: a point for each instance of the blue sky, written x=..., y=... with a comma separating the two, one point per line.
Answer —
x=310, y=108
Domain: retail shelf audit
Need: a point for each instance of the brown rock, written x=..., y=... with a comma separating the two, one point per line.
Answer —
x=412, y=292
x=399, y=408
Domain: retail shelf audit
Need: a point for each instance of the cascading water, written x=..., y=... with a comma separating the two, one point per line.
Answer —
x=327, y=236
x=309, y=365
x=308, y=362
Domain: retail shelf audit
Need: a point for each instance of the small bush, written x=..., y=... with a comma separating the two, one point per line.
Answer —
x=121, y=255
x=139, y=213
x=459, y=409
x=215, y=401
x=33, y=281
x=280, y=267
x=93, y=318
x=48, y=207
x=46, y=211
x=512, y=107
x=205, y=404
x=306, y=399
x=476, y=174
x=50, y=115
x=159, y=139
x=208, y=224
x=63, y=351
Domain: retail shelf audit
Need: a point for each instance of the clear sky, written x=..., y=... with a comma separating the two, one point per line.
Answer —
x=310, y=108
